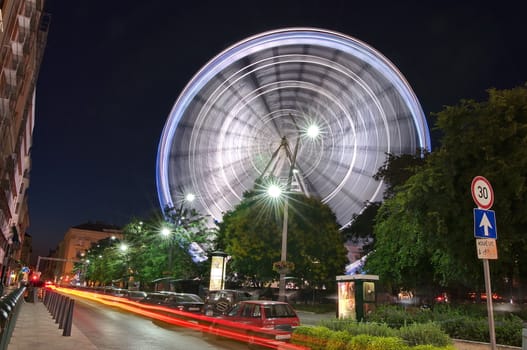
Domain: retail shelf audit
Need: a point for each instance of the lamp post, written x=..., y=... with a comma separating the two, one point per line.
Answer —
x=167, y=232
x=311, y=132
x=275, y=191
x=123, y=247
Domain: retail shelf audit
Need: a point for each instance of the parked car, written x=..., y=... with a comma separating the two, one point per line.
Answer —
x=185, y=302
x=180, y=301
x=135, y=295
x=264, y=318
x=154, y=299
x=218, y=302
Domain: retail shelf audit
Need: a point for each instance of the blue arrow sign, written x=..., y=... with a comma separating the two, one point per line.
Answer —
x=485, y=224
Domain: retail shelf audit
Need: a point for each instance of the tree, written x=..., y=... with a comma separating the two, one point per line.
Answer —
x=104, y=262
x=428, y=223
x=396, y=170
x=149, y=254
x=252, y=232
x=154, y=255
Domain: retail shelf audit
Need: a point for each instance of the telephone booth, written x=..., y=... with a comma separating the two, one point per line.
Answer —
x=356, y=296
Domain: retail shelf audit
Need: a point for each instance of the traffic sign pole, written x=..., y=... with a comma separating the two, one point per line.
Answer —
x=490, y=311
x=483, y=196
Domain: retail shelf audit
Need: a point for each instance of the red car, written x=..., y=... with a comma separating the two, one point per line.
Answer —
x=264, y=318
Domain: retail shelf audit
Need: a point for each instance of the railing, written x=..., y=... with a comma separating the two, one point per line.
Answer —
x=9, y=309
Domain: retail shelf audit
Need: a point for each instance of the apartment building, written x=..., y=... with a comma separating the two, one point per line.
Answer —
x=23, y=36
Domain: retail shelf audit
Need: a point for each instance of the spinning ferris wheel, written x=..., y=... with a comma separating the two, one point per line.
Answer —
x=249, y=111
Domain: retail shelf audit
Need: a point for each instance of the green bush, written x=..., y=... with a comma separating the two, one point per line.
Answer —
x=509, y=330
x=466, y=321
x=394, y=316
x=319, y=338
x=338, y=340
x=359, y=342
x=390, y=343
x=355, y=328
x=417, y=329
x=465, y=327
x=314, y=337
x=423, y=334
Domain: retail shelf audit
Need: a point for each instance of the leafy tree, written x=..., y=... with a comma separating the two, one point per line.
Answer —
x=426, y=228
x=396, y=170
x=252, y=234
x=104, y=262
x=361, y=227
x=150, y=255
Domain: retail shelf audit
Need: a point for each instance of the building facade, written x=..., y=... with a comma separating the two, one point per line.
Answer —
x=23, y=36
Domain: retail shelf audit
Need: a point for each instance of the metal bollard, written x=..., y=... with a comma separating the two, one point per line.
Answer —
x=61, y=309
x=63, y=312
x=69, y=318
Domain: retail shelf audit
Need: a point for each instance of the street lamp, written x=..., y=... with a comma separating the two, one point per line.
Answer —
x=274, y=191
x=311, y=132
x=123, y=248
x=167, y=232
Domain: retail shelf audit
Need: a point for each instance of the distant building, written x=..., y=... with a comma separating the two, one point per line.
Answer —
x=23, y=36
x=77, y=241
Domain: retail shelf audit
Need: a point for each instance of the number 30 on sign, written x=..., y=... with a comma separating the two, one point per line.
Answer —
x=482, y=192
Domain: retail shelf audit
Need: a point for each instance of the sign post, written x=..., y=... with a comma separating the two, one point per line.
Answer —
x=485, y=232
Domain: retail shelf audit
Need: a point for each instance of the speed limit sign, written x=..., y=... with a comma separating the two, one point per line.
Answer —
x=482, y=192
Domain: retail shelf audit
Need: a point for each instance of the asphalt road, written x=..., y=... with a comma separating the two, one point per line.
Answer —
x=111, y=328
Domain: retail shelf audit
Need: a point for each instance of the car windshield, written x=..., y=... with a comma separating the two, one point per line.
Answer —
x=279, y=310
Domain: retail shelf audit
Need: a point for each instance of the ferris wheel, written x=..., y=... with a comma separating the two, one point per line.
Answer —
x=322, y=104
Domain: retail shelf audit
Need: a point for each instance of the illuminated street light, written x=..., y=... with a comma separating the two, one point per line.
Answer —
x=123, y=247
x=177, y=221
x=165, y=232
x=313, y=131
x=274, y=191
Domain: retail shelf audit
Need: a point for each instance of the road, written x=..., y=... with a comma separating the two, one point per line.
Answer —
x=111, y=328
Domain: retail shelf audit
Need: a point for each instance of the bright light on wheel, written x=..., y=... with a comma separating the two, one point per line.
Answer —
x=274, y=191
x=313, y=131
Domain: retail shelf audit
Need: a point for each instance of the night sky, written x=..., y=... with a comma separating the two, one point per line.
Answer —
x=113, y=70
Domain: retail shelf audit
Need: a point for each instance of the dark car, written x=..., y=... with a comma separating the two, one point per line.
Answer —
x=135, y=295
x=263, y=318
x=154, y=299
x=185, y=302
x=180, y=301
x=218, y=302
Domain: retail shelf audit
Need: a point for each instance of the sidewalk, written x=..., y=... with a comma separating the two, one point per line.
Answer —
x=36, y=329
